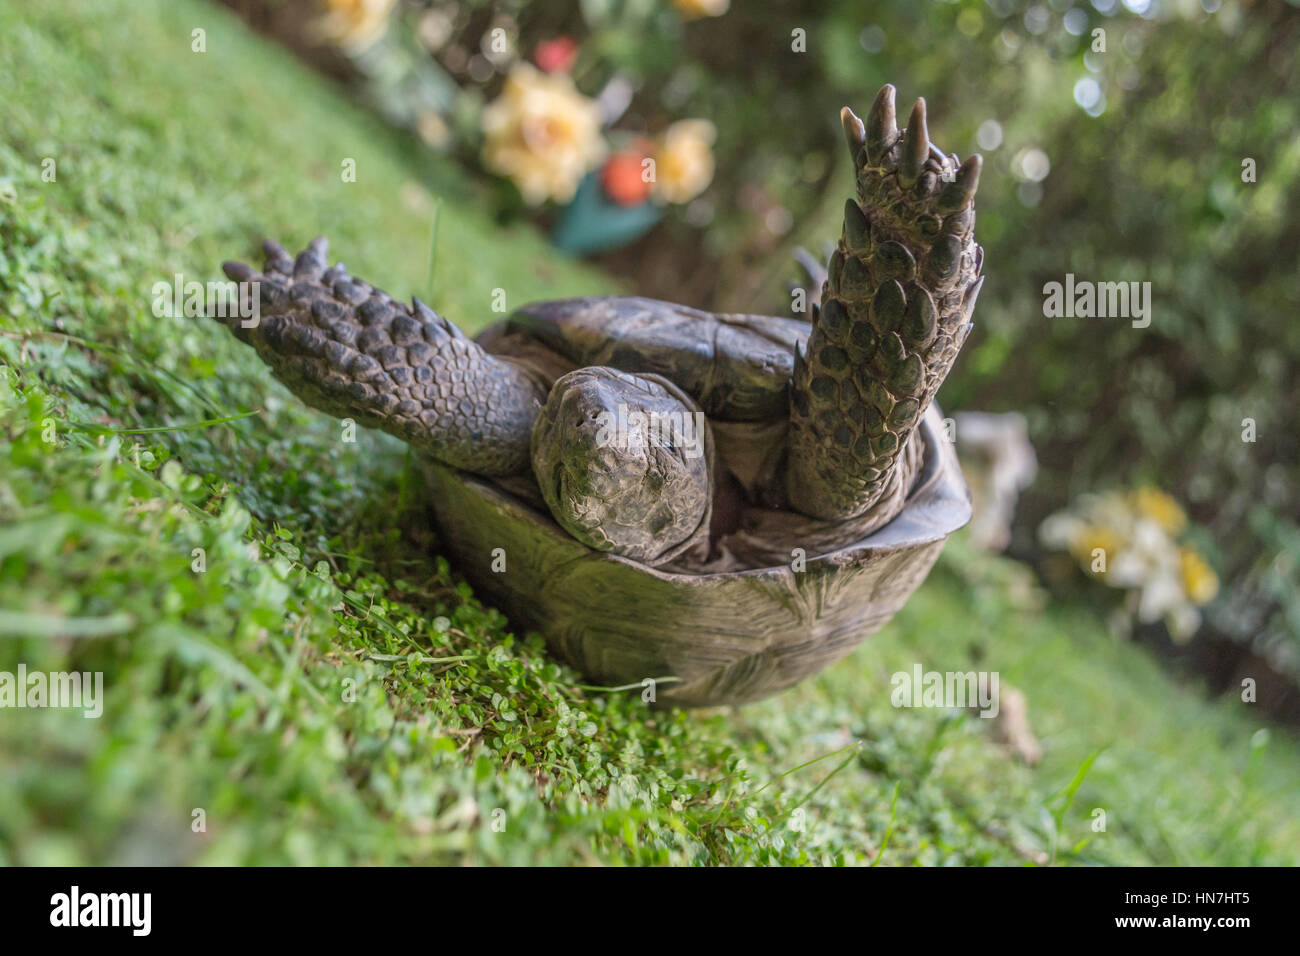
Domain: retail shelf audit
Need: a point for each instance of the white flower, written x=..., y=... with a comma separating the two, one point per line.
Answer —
x=1160, y=595
x=1059, y=531
x=1182, y=622
x=1138, y=534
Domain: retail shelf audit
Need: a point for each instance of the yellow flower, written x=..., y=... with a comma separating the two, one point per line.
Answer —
x=695, y=9
x=684, y=161
x=354, y=25
x=542, y=134
x=1200, y=582
x=1091, y=538
x=1161, y=508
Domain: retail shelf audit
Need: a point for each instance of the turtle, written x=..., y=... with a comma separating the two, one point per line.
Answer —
x=712, y=506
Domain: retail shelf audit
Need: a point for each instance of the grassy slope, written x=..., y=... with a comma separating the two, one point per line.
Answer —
x=258, y=691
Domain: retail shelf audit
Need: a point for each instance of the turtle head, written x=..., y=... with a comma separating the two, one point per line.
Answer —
x=625, y=463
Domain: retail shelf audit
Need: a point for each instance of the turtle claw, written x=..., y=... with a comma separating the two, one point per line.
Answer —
x=239, y=271
x=233, y=319
x=277, y=257
x=916, y=146
x=811, y=281
x=882, y=125
x=813, y=268
x=311, y=262
x=855, y=133
x=960, y=193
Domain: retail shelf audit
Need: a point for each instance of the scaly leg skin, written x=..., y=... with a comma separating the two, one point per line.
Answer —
x=895, y=310
x=349, y=349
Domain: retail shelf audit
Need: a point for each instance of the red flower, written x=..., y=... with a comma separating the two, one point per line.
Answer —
x=556, y=56
x=622, y=179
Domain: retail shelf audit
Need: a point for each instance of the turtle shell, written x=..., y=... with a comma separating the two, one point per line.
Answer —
x=738, y=367
x=706, y=639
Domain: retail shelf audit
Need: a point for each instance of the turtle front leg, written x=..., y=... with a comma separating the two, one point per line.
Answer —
x=895, y=310
x=349, y=349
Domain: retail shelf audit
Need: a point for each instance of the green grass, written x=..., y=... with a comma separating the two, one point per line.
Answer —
x=328, y=690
